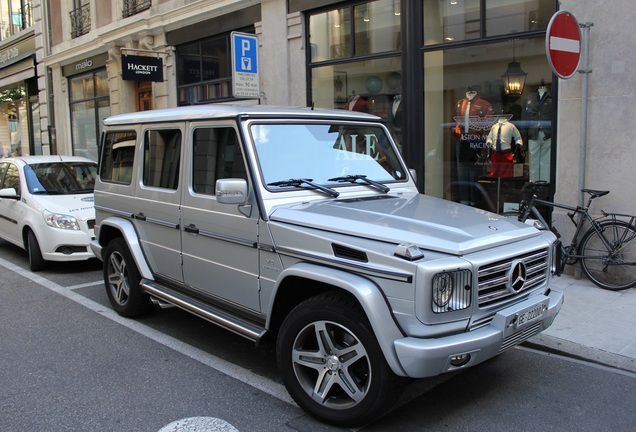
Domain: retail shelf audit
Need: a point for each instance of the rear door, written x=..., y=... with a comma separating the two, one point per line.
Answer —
x=157, y=199
x=220, y=257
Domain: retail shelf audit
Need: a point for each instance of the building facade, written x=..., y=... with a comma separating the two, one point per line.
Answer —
x=464, y=85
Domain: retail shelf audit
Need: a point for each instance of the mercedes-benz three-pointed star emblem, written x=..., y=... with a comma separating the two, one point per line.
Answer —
x=517, y=276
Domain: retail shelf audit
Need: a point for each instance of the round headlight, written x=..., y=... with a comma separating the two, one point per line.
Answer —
x=442, y=289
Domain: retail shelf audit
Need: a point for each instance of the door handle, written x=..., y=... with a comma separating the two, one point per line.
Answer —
x=191, y=229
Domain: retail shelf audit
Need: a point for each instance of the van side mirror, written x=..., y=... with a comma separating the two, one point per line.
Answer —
x=10, y=193
x=231, y=191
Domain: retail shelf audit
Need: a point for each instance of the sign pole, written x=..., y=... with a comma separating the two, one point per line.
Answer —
x=585, y=70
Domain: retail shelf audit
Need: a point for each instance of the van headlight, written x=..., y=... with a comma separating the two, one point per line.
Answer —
x=451, y=291
x=61, y=221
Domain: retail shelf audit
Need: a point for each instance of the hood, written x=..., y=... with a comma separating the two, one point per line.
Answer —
x=80, y=206
x=428, y=222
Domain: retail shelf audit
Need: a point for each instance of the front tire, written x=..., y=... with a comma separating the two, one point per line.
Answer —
x=36, y=262
x=122, y=280
x=331, y=362
x=610, y=272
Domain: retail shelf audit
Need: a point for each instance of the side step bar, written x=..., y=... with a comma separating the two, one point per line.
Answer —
x=233, y=323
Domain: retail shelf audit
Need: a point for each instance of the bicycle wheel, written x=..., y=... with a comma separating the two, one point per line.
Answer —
x=611, y=267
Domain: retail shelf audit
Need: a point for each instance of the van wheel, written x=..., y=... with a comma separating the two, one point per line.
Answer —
x=331, y=362
x=122, y=280
x=36, y=262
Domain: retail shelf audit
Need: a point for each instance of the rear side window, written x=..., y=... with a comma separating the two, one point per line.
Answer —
x=217, y=155
x=118, y=155
x=162, y=154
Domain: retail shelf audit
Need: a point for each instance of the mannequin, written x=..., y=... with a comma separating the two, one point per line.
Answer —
x=503, y=140
x=469, y=142
x=356, y=103
x=537, y=113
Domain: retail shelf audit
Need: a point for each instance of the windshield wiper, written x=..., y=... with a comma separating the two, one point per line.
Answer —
x=301, y=182
x=355, y=177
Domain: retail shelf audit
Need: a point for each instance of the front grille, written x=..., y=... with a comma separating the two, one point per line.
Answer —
x=494, y=278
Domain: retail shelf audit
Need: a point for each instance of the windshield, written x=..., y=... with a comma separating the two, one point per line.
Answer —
x=60, y=178
x=324, y=153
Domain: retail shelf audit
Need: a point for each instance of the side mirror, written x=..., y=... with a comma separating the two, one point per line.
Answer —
x=231, y=191
x=413, y=174
x=9, y=193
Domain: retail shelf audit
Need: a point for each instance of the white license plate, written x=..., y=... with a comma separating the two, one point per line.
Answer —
x=529, y=315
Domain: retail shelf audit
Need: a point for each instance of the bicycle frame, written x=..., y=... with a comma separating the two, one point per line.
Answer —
x=569, y=253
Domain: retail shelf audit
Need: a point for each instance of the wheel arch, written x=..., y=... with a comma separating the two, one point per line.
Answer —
x=317, y=279
x=112, y=228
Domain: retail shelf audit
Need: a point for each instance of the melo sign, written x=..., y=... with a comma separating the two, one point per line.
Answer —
x=245, y=78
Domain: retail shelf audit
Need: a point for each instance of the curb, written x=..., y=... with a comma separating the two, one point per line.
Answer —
x=573, y=350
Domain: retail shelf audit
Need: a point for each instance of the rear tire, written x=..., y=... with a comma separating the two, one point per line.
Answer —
x=609, y=272
x=122, y=280
x=36, y=262
x=331, y=362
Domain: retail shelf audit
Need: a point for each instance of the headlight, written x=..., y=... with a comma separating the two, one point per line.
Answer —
x=451, y=291
x=60, y=221
x=442, y=289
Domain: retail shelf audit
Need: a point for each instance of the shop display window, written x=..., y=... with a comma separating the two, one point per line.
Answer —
x=485, y=142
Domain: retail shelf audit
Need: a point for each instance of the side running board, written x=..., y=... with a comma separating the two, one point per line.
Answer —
x=228, y=321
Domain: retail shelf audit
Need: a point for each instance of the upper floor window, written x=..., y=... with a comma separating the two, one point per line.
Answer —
x=132, y=7
x=80, y=18
x=15, y=16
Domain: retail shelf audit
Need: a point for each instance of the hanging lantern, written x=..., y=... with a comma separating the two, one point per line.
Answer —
x=514, y=78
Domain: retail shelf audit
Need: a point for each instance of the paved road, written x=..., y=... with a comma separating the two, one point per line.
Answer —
x=70, y=363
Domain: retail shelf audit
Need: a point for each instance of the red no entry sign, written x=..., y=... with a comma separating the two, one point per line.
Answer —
x=563, y=44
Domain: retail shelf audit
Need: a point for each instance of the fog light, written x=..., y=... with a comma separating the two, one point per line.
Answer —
x=459, y=360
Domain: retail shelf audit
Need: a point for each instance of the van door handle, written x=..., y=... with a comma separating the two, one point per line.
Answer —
x=140, y=216
x=191, y=229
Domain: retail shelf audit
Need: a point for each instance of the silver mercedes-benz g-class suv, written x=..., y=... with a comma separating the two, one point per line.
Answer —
x=306, y=224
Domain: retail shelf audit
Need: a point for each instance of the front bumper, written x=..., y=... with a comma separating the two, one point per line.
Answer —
x=429, y=357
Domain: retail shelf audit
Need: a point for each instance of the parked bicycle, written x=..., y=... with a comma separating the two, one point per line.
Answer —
x=606, y=251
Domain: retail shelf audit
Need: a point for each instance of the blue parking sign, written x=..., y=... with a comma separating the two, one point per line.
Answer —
x=245, y=77
x=245, y=52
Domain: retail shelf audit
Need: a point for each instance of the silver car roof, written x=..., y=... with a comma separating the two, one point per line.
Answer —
x=215, y=111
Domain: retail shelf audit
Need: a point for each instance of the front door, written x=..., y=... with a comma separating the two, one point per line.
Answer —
x=220, y=258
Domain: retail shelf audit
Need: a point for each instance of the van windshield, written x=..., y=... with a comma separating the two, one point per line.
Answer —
x=325, y=153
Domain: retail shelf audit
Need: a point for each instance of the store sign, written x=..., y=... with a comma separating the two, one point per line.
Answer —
x=138, y=68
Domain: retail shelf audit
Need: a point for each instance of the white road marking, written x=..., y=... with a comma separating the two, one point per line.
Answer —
x=192, y=424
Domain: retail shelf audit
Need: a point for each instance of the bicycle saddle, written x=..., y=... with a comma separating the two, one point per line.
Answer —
x=596, y=193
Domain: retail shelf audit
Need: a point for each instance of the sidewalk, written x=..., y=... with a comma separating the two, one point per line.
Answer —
x=594, y=324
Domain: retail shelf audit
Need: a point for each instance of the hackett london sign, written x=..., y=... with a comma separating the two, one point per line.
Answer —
x=138, y=68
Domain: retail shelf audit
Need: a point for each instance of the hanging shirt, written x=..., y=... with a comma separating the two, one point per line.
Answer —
x=503, y=136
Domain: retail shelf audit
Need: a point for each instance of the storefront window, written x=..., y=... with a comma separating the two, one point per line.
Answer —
x=467, y=159
x=369, y=84
x=514, y=16
x=460, y=20
x=90, y=104
x=204, y=71
x=451, y=21
x=14, y=125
